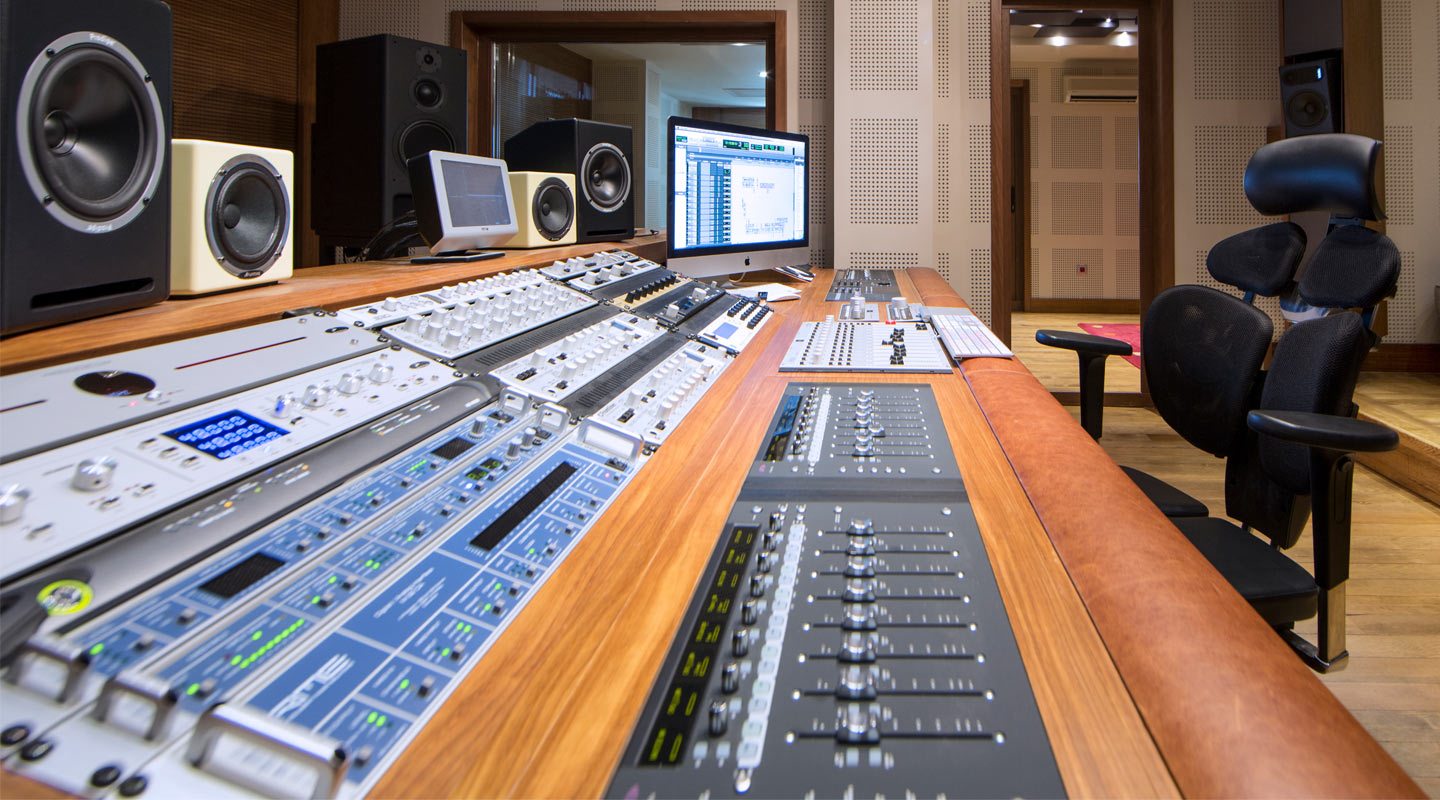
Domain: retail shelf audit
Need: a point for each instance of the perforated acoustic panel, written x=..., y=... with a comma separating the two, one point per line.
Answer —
x=978, y=297
x=884, y=49
x=1401, y=317
x=820, y=199
x=977, y=50
x=1127, y=274
x=1221, y=152
x=369, y=17
x=608, y=5
x=1067, y=278
x=1127, y=209
x=1399, y=163
x=1235, y=49
x=209, y=103
x=820, y=258
x=814, y=60
x=1035, y=202
x=1031, y=74
x=1127, y=143
x=884, y=171
x=942, y=48
x=942, y=266
x=723, y=5
x=1395, y=53
x=884, y=260
x=1057, y=84
x=1077, y=208
x=486, y=5
x=1035, y=142
x=942, y=173
x=979, y=155
x=1075, y=142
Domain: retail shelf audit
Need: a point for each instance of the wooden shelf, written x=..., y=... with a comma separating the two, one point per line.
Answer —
x=331, y=288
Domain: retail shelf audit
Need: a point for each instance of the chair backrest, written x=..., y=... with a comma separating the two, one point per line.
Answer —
x=1202, y=356
x=1260, y=261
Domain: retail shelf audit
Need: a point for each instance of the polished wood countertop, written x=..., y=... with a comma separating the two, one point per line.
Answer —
x=1153, y=677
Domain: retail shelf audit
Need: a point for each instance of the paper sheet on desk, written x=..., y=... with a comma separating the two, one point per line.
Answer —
x=774, y=292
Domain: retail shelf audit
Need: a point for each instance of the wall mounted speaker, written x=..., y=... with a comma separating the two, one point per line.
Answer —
x=1310, y=92
x=599, y=155
x=84, y=158
x=544, y=209
x=232, y=216
x=380, y=101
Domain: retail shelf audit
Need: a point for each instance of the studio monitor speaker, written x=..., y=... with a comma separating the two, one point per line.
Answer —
x=1310, y=92
x=544, y=209
x=380, y=101
x=84, y=158
x=232, y=216
x=599, y=155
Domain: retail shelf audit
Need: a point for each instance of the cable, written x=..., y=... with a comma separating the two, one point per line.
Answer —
x=397, y=235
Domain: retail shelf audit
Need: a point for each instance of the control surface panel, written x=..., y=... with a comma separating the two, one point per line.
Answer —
x=832, y=346
x=872, y=285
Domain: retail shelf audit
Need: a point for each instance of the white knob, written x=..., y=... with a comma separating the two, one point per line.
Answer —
x=316, y=396
x=414, y=323
x=12, y=502
x=381, y=373
x=93, y=474
x=452, y=338
x=284, y=404
x=390, y=304
x=435, y=329
x=350, y=383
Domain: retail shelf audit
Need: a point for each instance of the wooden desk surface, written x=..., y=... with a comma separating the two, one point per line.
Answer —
x=1148, y=694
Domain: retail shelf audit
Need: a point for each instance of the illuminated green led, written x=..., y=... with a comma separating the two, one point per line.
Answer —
x=445, y=652
x=499, y=585
x=236, y=660
x=486, y=608
x=467, y=629
x=405, y=684
x=532, y=552
x=459, y=626
x=381, y=722
x=371, y=719
x=95, y=651
x=315, y=600
x=334, y=578
x=194, y=687
x=255, y=637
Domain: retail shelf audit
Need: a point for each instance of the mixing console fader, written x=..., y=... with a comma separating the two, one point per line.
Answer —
x=394, y=309
x=874, y=285
x=450, y=332
x=847, y=637
x=601, y=269
x=558, y=370
x=832, y=346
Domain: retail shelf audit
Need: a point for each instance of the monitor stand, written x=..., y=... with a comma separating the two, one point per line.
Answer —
x=457, y=256
x=797, y=271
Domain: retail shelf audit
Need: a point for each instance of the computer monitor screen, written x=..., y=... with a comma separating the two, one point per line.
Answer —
x=737, y=198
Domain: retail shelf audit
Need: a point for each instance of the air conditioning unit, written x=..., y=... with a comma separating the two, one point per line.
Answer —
x=1102, y=88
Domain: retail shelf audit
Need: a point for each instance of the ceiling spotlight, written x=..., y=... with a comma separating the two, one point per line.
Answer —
x=1122, y=39
x=764, y=73
x=738, y=44
x=1037, y=25
x=1108, y=23
x=1059, y=41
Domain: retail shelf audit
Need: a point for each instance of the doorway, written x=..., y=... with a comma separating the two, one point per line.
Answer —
x=1020, y=193
x=1155, y=167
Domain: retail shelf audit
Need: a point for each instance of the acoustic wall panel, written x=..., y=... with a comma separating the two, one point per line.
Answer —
x=977, y=295
x=1127, y=209
x=942, y=47
x=1077, y=272
x=368, y=17
x=1127, y=142
x=884, y=260
x=726, y=5
x=1075, y=142
x=1236, y=49
x=1077, y=208
x=884, y=53
x=1127, y=273
x=1220, y=155
x=977, y=50
x=815, y=33
x=1035, y=142
x=1401, y=312
x=943, y=161
x=1397, y=46
x=884, y=163
x=979, y=160
x=608, y=5
x=820, y=167
x=1399, y=164
x=942, y=266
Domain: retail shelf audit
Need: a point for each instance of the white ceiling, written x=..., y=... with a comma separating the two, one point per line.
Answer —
x=697, y=74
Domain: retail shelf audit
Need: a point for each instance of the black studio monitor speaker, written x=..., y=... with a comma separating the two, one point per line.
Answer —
x=380, y=101
x=599, y=155
x=84, y=158
x=1310, y=94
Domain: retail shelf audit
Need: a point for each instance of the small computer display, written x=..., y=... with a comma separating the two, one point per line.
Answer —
x=476, y=194
x=737, y=198
x=461, y=201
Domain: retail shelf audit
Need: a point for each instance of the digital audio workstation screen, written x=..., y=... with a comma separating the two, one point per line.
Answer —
x=475, y=193
x=735, y=189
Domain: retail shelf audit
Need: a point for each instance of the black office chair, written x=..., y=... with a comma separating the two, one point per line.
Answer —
x=1202, y=356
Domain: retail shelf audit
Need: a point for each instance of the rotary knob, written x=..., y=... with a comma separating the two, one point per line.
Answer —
x=12, y=502
x=730, y=678
x=390, y=304
x=284, y=404
x=93, y=474
x=719, y=717
x=764, y=560
x=414, y=324
x=381, y=373
x=512, y=448
x=749, y=612
x=757, y=586
x=350, y=383
x=316, y=396
x=740, y=643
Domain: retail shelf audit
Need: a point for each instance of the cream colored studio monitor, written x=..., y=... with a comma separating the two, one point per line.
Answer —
x=544, y=209
x=232, y=215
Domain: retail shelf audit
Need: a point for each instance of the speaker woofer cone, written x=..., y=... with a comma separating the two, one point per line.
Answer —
x=91, y=132
x=553, y=209
x=247, y=216
x=605, y=176
x=420, y=137
x=1306, y=109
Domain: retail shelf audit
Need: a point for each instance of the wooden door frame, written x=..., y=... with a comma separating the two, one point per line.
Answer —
x=1022, y=189
x=1157, y=162
x=475, y=32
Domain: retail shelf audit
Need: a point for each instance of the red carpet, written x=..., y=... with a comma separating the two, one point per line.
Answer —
x=1124, y=331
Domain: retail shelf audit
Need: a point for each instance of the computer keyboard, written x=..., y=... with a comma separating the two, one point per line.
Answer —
x=965, y=335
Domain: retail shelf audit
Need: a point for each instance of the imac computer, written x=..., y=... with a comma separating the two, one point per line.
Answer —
x=737, y=199
x=462, y=202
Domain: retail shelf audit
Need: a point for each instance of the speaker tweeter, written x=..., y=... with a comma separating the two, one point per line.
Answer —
x=233, y=216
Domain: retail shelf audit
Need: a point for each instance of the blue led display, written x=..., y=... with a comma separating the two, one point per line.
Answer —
x=227, y=434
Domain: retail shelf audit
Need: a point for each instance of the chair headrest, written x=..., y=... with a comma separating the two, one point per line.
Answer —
x=1332, y=172
x=1261, y=260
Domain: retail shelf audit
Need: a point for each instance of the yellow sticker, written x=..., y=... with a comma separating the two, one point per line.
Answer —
x=65, y=597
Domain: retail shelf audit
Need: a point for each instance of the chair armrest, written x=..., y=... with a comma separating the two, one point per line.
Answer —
x=1083, y=343
x=1325, y=431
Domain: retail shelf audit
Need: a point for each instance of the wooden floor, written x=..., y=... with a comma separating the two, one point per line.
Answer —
x=1392, y=683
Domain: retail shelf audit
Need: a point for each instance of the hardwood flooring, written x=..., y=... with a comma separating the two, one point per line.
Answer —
x=1392, y=683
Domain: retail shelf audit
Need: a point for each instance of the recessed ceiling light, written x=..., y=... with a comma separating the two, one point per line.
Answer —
x=1122, y=39
x=1059, y=41
x=739, y=44
x=1037, y=25
x=764, y=73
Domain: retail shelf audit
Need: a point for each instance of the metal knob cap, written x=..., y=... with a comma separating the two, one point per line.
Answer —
x=350, y=383
x=730, y=678
x=12, y=503
x=740, y=642
x=381, y=373
x=316, y=396
x=93, y=474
